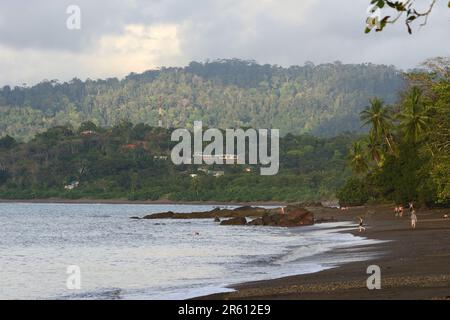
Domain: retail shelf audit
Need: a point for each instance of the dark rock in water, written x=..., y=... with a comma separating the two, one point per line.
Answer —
x=256, y=222
x=136, y=218
x=162, y=215
x=294, y=217
x=240, y=221
x=290, y=216
x=244, y=208
x=215, y=213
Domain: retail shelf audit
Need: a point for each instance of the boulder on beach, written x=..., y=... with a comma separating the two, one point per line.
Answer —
x=239, y=221
x=216, y=219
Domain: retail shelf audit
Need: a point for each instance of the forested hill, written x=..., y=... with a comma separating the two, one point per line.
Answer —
x=323, y=100
x=133, y=162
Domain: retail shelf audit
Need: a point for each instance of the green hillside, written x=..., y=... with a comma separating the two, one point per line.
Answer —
x=323, y=100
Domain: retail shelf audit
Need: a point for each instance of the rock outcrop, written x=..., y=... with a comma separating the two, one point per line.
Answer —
x=239, y=221
x=290, y=216
x=246, y=211
x=293, y=217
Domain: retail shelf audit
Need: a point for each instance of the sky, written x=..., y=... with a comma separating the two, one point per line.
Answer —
x=117, y=37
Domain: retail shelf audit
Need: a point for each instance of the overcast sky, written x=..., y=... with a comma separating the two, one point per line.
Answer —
x=122, y=36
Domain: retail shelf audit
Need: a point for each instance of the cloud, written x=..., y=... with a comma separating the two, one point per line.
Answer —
x=123, y=36
x=137, y=49
x=321, y=31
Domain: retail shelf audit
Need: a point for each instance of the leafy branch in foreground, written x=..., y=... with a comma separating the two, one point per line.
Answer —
x=401, y=8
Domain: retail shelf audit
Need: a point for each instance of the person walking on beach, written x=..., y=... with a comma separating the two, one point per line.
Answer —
x=413, y=219
x=400, y=211
x=397, y=211
x=411, y=207
x=361, y=223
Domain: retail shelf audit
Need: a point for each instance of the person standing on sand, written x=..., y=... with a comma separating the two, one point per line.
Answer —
x=361, y=227
x=400, y=211
x=411, y=207
x=396, y=211
x=413, y=219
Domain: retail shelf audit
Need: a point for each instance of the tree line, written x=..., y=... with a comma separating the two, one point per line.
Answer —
x=406, y=155
x=133, y=162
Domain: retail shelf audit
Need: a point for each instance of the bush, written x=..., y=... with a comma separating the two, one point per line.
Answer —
x=353, y=193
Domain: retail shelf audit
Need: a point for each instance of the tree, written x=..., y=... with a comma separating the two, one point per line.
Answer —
x=353, y=193
x=4, y=175
x=401, y=8
x=379, y=118
x=374, y=150
x=87, y=126
x=414, y=119
x=357, y=158
x=7, y=142
x=419, y=169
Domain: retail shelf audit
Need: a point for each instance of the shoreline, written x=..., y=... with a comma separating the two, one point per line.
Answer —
x=149, y=202
x=414, y=263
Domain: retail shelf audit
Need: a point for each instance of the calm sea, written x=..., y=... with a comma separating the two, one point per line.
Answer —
x=121, y=258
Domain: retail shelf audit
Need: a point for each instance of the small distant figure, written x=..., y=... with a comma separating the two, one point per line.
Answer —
x=413, y=219
x=396, y=211
x=361, y=225
x=282, y=210
x=411, y=207
x=400, y=211
x=445, y=216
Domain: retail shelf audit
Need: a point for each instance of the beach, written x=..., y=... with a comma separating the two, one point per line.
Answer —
x=414, y=264
x=323, y=261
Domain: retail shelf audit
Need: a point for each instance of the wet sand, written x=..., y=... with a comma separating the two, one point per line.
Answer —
x=415, y=264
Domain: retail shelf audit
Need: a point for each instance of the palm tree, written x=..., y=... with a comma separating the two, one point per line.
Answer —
x=374, y=150
x=358, y=159
x=379, y=117
x=414, y=119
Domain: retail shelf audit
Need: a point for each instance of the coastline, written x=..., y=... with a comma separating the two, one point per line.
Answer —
x=414, y=263
x=155, y=202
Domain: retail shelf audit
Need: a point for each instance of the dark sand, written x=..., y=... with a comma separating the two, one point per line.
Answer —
x=414, y=265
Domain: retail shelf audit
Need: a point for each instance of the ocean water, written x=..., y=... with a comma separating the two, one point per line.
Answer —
x=121, y=258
